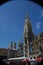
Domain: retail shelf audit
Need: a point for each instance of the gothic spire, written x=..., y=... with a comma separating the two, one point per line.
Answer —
x=26, y=17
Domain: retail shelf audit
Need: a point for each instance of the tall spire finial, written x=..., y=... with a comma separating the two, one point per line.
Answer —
x=26, y=15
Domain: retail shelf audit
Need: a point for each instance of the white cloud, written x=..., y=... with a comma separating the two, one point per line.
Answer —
x=41, y=13
x=38, y=25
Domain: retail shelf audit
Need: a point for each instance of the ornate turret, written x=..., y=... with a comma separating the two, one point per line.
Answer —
x=10, y=48
x=14, y=45
x=10, y=45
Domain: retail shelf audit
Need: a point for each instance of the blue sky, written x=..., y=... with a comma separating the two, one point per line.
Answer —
x=12, y=16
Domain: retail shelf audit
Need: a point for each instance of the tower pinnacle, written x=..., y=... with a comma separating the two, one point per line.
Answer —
x=26, y=17
x=28, y=28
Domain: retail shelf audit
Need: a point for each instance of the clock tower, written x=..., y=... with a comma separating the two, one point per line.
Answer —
x=28, y=35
